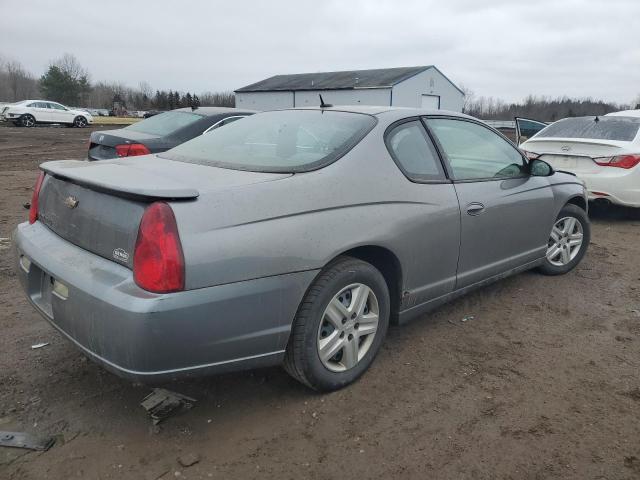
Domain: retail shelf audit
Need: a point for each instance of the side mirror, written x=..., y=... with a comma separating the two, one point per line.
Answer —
x=540, y=168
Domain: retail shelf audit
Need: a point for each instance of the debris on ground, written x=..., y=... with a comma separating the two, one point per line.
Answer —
x=5, y=243
x=162, y=403
x=188, y=459
x=25, y=440
x=468, y=317
x=39, y=345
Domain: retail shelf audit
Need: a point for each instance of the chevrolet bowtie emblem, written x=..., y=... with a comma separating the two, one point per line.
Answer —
x=71, y=202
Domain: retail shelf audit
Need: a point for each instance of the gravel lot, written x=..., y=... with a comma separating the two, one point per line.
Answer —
x=543, y=382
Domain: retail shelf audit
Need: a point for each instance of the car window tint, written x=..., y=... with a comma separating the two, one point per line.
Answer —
x=165, y=123
x=56, y=106
x=475, y=152
x=600, y=128
x=412, y=149
x=277, y=141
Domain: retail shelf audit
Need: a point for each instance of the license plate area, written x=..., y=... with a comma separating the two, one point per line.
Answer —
x=568, y=162
x=42, y=291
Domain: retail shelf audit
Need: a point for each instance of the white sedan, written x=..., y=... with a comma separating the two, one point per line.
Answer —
x=28, y=113
x=604, y=152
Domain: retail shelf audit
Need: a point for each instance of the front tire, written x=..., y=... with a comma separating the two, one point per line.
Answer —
x=27, y=121
x=80, y=122
x=340, y=325
x=568, y=241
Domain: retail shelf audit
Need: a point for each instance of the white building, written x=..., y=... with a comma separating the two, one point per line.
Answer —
x=425, y=87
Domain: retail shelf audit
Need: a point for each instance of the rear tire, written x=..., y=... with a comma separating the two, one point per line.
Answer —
x=27, y=120
x=563, y=251
x=340, y=325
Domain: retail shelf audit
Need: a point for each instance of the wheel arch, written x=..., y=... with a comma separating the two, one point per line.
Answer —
x=578, y=201
x=389, y=266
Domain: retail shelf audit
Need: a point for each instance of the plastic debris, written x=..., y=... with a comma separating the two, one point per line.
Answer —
x=39, y=345
x=468, y=317
x=25, y=440
x=162, y=403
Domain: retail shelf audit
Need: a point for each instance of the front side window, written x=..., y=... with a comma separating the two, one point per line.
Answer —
x=475, y=152
x=278, y=141
x=412, y=149
x=165, y=123
x=56, y=106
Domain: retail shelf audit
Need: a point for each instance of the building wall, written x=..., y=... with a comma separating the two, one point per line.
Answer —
x=430, y=82
x=264, y=100
x=405, y=94
x=365, y=96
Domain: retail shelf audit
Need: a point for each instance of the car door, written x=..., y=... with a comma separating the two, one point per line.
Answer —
x=506, y=214
x=60, y=114
x=40, y=110
x=527, y=128
x=435, y=232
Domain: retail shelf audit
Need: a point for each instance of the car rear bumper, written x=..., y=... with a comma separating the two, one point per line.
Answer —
x=154, y=337
x=616, y=185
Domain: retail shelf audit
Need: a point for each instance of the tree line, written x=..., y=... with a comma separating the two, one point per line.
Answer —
x=542, y=108
x=68, y=82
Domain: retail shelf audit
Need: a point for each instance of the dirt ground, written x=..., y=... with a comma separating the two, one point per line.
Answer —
x=543, y=382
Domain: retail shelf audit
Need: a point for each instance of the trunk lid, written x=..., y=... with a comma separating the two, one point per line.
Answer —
x=102, y=144
x=575, y=155
x=98, y=205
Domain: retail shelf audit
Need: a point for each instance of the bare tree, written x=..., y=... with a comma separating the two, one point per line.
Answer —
x=20, y=84
x=469, y=96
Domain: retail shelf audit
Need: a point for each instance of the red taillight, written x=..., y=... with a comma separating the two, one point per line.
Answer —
x=531, y=155
x=33, y=210
x=131, y=150
x=621, y=161
x=158, y=262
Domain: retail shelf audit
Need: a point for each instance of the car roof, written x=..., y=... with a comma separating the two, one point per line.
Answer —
x=209, y=111
x=384, y=111
x=624, y=113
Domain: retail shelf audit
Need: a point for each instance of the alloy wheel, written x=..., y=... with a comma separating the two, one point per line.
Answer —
x=81, y=122
x=28, y=121
x=348, y=327
x=565, y=241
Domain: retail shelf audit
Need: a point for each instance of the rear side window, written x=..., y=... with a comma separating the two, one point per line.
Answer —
x=165, y=123
x=475, y=152
x=622, y=129
x=414, y=153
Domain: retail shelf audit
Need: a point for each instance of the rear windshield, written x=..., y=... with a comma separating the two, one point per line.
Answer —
x=279, y=141
x=604, y=128
x=164, y=123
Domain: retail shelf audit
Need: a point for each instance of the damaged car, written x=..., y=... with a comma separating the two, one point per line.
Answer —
x=292, y=238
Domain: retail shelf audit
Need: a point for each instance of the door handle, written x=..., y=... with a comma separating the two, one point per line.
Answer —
x=475, y=208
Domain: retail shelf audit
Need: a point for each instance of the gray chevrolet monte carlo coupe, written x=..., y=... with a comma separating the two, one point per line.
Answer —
x=292, y=237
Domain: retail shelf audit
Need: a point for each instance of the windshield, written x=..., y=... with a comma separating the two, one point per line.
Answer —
x=605, y=128
x=279, y=141
x=165, y=123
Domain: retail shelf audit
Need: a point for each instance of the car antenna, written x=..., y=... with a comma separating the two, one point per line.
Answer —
x=322, y=104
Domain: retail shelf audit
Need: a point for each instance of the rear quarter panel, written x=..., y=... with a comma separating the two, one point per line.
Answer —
x=302, y=222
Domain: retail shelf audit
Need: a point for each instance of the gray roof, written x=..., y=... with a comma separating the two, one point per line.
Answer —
x=347, y=80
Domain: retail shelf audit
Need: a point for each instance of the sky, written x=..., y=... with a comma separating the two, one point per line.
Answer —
x=507, y=49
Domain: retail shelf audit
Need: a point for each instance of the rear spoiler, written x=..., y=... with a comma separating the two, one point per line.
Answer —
x=119, y=179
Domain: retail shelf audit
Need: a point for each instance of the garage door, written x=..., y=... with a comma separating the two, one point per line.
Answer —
x=431, y=101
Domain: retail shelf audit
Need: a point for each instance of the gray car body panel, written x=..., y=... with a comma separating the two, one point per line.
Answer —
x=142, y=335
x=281, y=229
